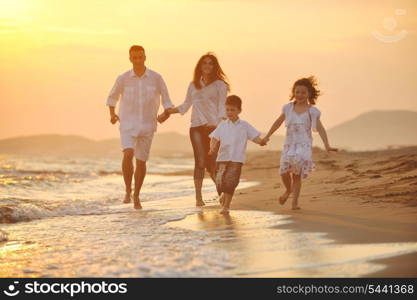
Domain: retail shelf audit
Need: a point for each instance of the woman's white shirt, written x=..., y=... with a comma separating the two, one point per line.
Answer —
x=208, y=103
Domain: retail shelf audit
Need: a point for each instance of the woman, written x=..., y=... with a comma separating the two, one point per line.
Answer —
x=207, y=95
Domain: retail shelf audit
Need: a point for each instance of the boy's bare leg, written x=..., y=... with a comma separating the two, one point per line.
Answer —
x=296, y=192
x=226, y=205
x=140, y=173
x=127, y=170
x=198, y=185
x=287, y=181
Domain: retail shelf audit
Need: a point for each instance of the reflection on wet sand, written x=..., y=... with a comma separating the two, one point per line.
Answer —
x=259, y=248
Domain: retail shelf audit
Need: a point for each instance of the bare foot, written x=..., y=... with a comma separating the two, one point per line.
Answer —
x=221, y=200
x=127, y=198
x=283, y=198
x=136, y=203
x=296, y=208
x=199, y=203
x=224, y=211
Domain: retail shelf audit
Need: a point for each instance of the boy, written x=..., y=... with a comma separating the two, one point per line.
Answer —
x=232, y=135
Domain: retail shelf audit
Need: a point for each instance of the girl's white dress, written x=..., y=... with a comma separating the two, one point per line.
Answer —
x=296, y=156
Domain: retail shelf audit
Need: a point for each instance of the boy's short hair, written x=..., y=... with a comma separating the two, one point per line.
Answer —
x=136, y=48
x=235, y=101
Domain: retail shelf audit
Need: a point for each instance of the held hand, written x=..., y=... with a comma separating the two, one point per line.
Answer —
x=169, y=111
x=264, y=141
x=211, y=152
x=114, y=118
x=331, y=149
x=162, y=117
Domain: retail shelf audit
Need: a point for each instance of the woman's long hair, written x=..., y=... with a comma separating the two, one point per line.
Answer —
x=217, y=73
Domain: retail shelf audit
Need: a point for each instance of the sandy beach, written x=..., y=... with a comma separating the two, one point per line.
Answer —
x=358, y=219
x=354, y=198
x=364, y=197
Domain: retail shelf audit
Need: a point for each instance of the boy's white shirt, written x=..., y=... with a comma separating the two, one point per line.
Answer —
x=233, y=137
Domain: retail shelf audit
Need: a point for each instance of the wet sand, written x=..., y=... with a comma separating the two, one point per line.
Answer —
x=355, y=198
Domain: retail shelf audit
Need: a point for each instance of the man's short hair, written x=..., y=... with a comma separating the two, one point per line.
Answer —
x=136, y=48
x=234, y=101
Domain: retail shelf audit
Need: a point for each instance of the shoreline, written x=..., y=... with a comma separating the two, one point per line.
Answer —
x=353, y=197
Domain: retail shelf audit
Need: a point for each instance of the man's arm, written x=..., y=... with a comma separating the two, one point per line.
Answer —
x=113, y=98
x=113, y=117
x=165, y=99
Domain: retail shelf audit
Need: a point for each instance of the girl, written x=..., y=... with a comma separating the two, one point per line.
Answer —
x=207, y=95
x=300, y=117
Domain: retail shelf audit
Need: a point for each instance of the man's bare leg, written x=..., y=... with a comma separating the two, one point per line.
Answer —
x=127, y=169
x=227, y=201
x=140, y=173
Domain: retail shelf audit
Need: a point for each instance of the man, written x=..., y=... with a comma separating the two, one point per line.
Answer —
x=141, y=90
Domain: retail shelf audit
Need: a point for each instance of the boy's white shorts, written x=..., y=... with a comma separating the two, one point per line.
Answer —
x=140, y=144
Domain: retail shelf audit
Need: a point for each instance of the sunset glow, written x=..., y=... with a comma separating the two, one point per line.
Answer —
x=60, y=59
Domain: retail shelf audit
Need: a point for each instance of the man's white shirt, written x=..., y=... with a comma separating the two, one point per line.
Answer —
x=233, y=137
x=140, y=98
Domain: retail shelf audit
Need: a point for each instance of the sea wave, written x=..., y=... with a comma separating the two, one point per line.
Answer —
x=18, y=210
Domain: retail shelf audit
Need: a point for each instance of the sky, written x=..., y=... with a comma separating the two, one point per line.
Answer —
x=59, y=59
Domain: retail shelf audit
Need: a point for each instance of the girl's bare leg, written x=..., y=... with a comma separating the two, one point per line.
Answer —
x=296, y=190
x=287, y=181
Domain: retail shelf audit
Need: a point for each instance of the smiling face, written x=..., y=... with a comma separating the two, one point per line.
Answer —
x=207, y=66
x=301, y=94
x=137, y=58
x=232, y=112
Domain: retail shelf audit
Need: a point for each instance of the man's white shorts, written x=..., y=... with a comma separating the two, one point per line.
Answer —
x=140, y=144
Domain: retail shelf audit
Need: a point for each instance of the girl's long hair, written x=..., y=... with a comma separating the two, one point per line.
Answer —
x=217, y=73
x=311, y=84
